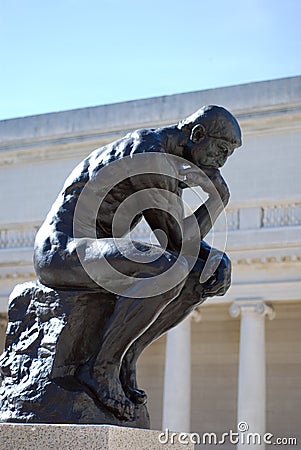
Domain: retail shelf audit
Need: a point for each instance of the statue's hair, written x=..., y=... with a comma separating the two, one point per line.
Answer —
x=218, y=122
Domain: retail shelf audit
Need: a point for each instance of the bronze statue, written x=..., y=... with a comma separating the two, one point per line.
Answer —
x=84, y=247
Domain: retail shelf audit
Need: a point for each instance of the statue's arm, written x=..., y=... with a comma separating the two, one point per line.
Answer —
x=168, y=215
x=166, y=219
x=160, y=202
x=218, y=273
x=208, y=212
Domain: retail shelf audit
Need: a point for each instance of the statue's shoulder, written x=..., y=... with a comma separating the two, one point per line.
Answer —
x=147, y=139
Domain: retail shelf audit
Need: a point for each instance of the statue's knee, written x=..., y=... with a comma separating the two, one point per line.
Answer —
x=48, y=277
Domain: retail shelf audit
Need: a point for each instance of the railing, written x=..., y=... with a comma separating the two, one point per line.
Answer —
x=281, y=215
x=18, y=235
x=270, y=216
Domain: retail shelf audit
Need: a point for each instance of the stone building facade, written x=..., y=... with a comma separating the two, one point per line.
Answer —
x=238, y=358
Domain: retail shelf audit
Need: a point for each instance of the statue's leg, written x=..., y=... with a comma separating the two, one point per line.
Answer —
x=132, y=316
x=130, y=319
x=172, y=315
x=191, y=296
x=134, y=312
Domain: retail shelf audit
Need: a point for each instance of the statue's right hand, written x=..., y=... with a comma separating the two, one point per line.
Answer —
x=197, y=177
x=210, y=180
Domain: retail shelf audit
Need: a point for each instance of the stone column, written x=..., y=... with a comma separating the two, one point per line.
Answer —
x=177, y=377
x=251, y=409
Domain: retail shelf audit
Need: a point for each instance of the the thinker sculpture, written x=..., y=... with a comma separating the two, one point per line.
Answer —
x=74, y=336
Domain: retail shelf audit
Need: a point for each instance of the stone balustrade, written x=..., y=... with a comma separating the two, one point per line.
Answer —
x=22, y=235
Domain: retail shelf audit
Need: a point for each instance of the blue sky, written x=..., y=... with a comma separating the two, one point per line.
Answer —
x=65, y=54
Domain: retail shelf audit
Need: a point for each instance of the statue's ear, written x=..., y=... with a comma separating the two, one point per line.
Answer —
x=197, y=133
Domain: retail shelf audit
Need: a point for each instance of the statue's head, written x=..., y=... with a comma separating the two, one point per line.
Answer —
x=213, y=135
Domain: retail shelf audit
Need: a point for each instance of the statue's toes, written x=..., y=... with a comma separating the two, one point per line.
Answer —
x=137, y=396
x=115, y=406
x=124, y=411
x=129, y=410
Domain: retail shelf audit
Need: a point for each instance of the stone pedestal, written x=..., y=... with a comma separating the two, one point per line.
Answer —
x=90, y=437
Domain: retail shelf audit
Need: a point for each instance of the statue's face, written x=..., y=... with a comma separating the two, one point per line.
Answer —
x=211, y=152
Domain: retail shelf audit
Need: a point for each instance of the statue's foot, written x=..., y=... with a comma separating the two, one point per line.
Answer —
x=106, y=386
x=138, y=396
x=129, y=383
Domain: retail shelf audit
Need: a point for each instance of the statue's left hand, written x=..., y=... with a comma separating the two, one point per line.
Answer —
x=220, y=281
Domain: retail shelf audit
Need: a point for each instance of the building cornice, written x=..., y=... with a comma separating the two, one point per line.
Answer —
x=262, y=108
